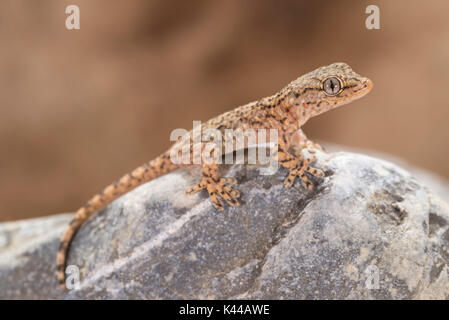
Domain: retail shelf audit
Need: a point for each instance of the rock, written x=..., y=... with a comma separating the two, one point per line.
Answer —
x=437, y=184
x=370, y=230
x=27, y=257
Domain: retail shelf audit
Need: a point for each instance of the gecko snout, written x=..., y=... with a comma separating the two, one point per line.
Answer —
x=367, y=83
x=361, y=88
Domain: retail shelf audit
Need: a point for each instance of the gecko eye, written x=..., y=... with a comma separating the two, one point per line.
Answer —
x=332, y=86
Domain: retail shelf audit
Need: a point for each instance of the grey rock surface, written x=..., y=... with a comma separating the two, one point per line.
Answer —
x=370, y=230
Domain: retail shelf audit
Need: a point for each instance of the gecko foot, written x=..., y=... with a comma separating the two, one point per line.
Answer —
x=300, y=171
x=218, y=191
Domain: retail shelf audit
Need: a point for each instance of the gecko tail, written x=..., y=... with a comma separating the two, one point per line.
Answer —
x=147, y=172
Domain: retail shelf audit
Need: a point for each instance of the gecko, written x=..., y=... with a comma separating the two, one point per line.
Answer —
x=286, y=111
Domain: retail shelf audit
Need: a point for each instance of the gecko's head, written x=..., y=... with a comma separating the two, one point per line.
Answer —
x=326, y=88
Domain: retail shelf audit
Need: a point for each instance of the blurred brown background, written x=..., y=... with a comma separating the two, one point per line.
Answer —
x=80, y=108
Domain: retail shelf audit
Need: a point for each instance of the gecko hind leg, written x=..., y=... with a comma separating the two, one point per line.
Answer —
x=311, y=146
x=306, y=143
x=217, y=187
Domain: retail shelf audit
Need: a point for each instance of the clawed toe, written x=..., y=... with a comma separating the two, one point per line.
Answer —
x=229, y=180
x=195, y=188
x=216, y=201
x=318, y=173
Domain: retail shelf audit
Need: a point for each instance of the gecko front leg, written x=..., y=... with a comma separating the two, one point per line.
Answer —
x=297, y=165
x=218, y=188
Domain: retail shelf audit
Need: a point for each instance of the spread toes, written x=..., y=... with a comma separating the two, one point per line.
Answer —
x=218, y=191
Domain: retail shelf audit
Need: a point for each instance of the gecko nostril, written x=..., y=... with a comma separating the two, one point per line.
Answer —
x=368, y=83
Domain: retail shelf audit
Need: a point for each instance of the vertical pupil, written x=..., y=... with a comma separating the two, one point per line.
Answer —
x=332, y=86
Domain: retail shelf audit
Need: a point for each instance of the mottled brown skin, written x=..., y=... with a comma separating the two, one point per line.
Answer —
x=310, y=95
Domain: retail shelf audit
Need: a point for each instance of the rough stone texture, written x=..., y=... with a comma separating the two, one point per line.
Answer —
x=158, y=243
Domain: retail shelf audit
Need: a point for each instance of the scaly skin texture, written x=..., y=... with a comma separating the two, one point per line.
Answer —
x=310, y=95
